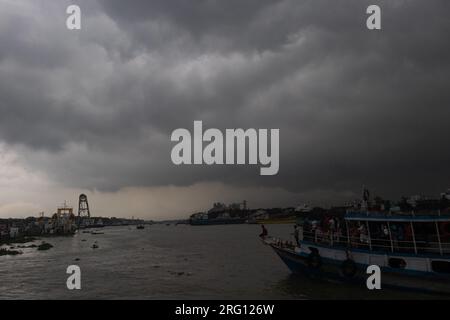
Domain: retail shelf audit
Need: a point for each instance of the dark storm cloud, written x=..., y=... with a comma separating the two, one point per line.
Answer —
x=95, y=108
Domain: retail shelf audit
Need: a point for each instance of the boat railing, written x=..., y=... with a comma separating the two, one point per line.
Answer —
x=363, y=241
x=387, y=214
x=278, y=242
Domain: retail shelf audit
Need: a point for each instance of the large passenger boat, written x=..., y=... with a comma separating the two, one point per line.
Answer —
x=412, y=248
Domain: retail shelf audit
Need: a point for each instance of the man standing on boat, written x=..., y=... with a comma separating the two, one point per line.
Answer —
x=264, y=232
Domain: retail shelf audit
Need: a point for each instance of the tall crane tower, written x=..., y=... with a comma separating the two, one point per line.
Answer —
x=83, y=208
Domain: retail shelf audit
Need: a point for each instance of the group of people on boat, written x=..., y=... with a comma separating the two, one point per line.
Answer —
x=375, y=235
x=333, y=231
x=327, y=229
x=379, y=235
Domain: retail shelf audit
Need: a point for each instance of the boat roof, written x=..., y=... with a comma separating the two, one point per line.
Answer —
x=397, y=217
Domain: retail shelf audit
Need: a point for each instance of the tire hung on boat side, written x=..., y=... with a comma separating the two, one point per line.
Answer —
x=314, y=260
x=348, y=268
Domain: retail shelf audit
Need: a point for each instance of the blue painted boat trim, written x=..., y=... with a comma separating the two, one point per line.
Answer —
x=387, y=269
x=382, y=253
x=394, y=218
x=298, y=267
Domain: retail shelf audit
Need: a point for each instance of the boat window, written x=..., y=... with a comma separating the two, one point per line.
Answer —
x=440, y=266
x=397, y=263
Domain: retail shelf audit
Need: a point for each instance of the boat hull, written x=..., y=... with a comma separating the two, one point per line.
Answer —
x=300, y=263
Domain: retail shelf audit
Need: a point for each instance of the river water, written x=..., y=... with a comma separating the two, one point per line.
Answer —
x=168, y=262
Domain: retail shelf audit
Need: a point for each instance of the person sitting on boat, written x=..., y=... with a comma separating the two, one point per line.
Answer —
x=385, y=231
x=408, y=237
x=332, y=229
x=394, y=235
x=264, y=232
x=296, y=234
x=314, y=231
x=338, y=232
x=332, y=224
x=363, y=236
x=400, y=237
x=354, y=236
x=307, y=229
x=319, y=235
x=314, y=225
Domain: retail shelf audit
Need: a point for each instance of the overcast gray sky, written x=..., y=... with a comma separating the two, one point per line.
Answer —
x=92, y=110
